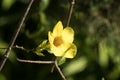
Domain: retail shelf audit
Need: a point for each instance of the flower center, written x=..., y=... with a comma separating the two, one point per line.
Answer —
x=57, y=41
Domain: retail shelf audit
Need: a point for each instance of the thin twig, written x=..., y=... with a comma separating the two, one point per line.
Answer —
x=22, y=48
x=19, y=47
x=37, y=61
x=6, y=55
x=44, y=62
x=70, y=12
x=59, y=70
x=53, y=67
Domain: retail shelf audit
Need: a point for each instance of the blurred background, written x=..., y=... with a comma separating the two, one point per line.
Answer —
x=97, y=35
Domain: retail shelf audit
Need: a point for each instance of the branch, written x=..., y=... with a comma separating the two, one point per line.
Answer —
x=37, y=62
x=59, y=70
x=7, y=53
x=70, y=12
x=19, y=47
x=45, y=62
x=22, y=48
x=53, y=67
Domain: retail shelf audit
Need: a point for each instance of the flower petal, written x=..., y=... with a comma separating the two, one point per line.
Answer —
x=58, y=29
x=56, y=51
x=50, y=37
x=71, y=52
x=61, y=41
x=59, y=51
x=68, y=35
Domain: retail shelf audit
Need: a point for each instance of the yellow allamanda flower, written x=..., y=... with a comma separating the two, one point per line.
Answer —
x=61, y=41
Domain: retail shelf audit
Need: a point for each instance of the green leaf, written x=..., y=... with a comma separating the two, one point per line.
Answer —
x=43, y=4
x=103, y=53
x=43, y=46
x=103, y=78
x=61, y=60
x=2, y=77
x=75, y=66
x=39, y=53
x=6, y=4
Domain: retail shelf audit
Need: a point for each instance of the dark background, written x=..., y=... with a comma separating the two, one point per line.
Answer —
x=96, y=24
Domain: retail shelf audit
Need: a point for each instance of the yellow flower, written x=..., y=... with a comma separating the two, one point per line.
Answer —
x=61, y=41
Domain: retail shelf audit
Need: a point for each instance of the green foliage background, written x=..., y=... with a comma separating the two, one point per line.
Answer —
x=97, y=35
